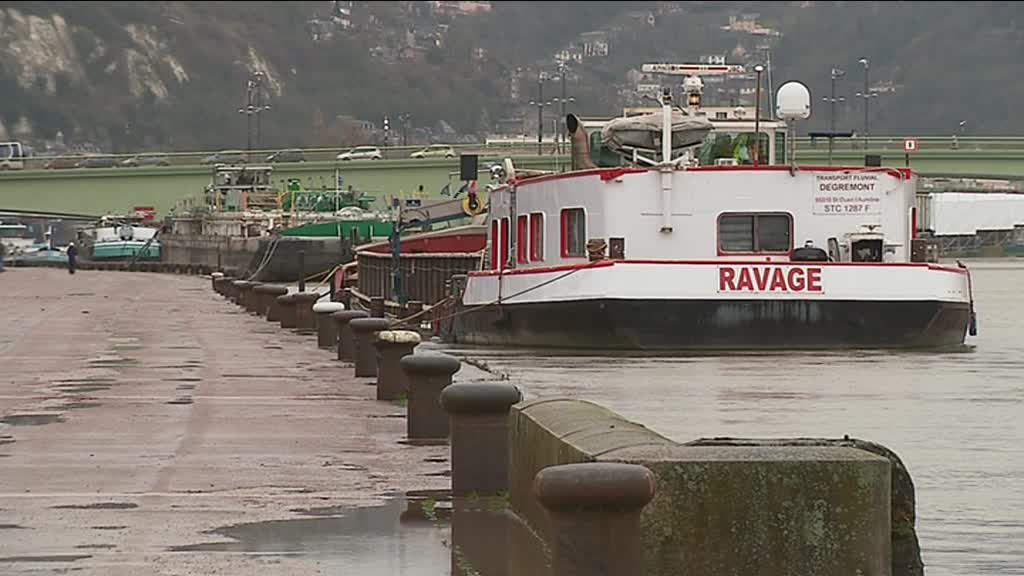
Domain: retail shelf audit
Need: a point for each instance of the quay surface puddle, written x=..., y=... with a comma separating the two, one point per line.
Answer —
x=419, y=533
x=50, y=558
x=31, y=419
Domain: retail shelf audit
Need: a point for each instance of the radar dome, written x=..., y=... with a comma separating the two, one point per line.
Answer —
x=793, y=101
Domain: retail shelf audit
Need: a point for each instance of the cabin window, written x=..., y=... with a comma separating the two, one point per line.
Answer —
x=536, y=237
x=522, y=242
x=494, y=244
x=574, y=233
x=755, y=233
x=504, y=244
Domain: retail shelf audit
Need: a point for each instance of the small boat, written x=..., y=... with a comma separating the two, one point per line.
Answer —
x=121, y=238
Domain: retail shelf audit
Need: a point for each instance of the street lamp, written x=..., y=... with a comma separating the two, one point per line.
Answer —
x=563, y=100
x=254, y=107
x=540, y=104
x=757, y=115
x=867, y=95
x=836, y=73
x=404, y=118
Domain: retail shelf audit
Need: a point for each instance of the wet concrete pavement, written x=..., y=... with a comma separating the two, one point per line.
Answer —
x=142, y=417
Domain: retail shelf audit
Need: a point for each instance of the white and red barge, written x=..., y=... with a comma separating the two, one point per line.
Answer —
x=598, y=259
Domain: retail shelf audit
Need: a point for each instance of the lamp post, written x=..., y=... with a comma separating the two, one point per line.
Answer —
x=254, y=106
x=867, y=95
x=836, y=73
x=405, y=117
x=563, y=100
x=757, y=116
x=540, y=104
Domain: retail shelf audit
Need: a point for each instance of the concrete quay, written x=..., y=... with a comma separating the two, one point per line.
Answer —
x=141, y=413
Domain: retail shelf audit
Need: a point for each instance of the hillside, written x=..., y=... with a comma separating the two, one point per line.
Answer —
x=124, y=76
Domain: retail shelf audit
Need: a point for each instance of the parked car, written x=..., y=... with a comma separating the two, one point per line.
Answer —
x=154, y=159
x=98, y=162
x=61, y=163
x=225, y=157
x=362, y=153
x=293, y=155
x=434, y=151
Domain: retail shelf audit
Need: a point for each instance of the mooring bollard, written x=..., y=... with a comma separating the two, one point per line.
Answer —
x=346, y=298
x=220, y=285
x=231, y=292
x=413, y=310
x=213, y=280
x=245, y=293
x=269, y=308
x=305, y=319
x=479, y=433
x=253, y=298
x=346, y=342
x=392, y=346
x=241, y=291
x=376, y=307
x=364, y=331
x=326, y=328
x=286, y=309
x=594, y=513
x=428, y=374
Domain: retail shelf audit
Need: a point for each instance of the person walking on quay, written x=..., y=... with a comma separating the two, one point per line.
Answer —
x=72, y=254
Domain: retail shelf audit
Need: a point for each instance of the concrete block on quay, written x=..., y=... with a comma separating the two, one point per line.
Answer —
x=767, y=510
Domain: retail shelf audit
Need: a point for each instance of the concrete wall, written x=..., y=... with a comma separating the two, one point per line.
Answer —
x=729, y=509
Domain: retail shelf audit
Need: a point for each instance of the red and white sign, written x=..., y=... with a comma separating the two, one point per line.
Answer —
x=768, y=279
x=842, y=193
x=910, y=145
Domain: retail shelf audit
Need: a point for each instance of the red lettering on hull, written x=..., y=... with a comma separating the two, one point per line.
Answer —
x=767, y=279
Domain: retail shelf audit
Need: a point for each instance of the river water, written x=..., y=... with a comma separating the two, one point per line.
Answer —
x=956, y=418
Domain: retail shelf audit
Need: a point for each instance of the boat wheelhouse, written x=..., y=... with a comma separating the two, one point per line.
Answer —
x=664, y=252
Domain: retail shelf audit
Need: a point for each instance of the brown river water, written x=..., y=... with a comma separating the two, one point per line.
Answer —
x=956, y=418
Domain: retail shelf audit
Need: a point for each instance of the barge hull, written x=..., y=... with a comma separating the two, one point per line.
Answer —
x=714, y=324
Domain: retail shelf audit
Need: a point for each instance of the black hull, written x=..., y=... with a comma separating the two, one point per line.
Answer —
x=714, y=324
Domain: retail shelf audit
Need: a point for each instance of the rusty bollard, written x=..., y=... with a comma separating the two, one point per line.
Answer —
x=346, y=341
x=428, y=374
x=594, y=514
x=221, y=285
x=252, y=298
x=364, y=331
x=376, y=307
x=392, y=346
x=326, y=328
x=479, y=432
x=286, y=310
x=244, y=291
x=213, y=281
x=269, y=307
x=305, y=319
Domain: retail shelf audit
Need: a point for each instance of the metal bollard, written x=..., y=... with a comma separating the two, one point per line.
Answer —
x=286, y=309
x=213, y=280
x=594, y=516
x=412, y=309
x=377, y=307
x=221, y=285
x=326, y=328
x=232, y=292
x=269, y=308
x=428, y=374
x=364, y=331
x=392, y=346
x=346, y=297
x=252, y=298
x=305, y=319
x=479, y=432
x=346, y=343
x=243, y=287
